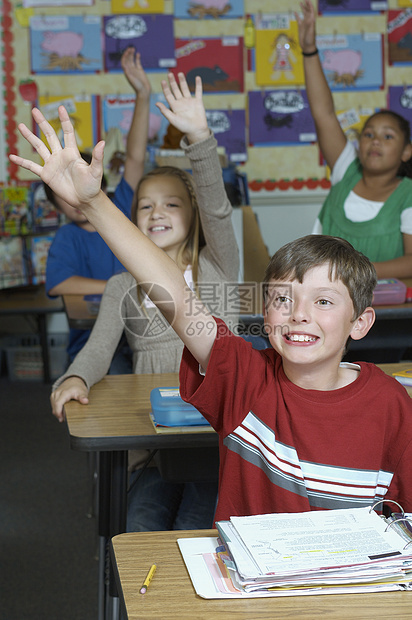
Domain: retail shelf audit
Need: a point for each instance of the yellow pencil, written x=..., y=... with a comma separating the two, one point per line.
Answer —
x=148, y=579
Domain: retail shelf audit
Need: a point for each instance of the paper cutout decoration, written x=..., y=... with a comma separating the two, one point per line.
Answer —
x=280, y=117
x=84, y=114
x=212, y=9
x=137, y=6
x=400, y=37
x=400, y=101
x=352, y=61
x=44, y=215
x=39, y=249
x=65, y=44
x=12, y=262
x=218, y=61
x=345, y=7
x=278, y=57
x=151, y=35
x=229, y=128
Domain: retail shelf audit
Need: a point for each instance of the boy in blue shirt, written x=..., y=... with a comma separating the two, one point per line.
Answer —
x=79, y=261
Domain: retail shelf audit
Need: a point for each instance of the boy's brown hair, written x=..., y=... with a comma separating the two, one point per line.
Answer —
x=353, y=268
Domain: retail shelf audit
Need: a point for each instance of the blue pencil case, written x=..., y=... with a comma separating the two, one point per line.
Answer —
x=169, y=409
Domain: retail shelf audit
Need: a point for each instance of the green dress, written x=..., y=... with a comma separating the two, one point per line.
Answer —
x=380, y=238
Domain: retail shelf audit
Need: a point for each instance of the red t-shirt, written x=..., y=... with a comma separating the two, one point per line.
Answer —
x=287, y=449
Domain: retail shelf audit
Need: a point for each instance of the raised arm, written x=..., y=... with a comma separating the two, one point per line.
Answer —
x=331, y=137
x=79, y=184
x=139, y=128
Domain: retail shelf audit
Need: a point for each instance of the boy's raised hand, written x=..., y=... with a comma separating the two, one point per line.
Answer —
x=134, y=72
x=307, y=26
x=187, y=112
x=68, y=175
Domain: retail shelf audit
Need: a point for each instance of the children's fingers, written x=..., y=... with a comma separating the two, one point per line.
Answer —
x=174, y=87
x=198, y=87
x=27, y=164
x=183, y=85
x=51, y=137
x=35, y=141
x=68, y=132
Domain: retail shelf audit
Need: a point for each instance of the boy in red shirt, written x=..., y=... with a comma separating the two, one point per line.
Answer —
x=299, y=430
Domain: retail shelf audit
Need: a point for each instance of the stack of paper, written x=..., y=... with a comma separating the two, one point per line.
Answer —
x=319, y=552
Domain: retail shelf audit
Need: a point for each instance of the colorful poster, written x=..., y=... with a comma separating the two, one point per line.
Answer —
x=65, y=44
x=400, y=37
x=118, y=114
x=352, y=61
x=212, y=9
x=400, y=101
x=218, y=61
x=280, y=117
x=84, y=113
x=39, y=249
x=56, y=3
x=14, y=210
x=278, y=57
x=404, y=3
x=151, y=35
x=229, y=127
x=345, y=7
x=44, y=215
x=12, y=262
x=137, y=6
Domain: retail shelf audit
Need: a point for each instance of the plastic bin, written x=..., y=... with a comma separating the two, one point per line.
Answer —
x=389, y=292
x=24, y=359
x=169, y=409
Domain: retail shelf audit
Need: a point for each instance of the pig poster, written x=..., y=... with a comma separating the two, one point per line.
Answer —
x=280, y=117
x=84, y=114
x=137, y=6
x=229, y=128
x=66, y=44
x=208, y=9
x=400, y=37
x=278, y=58
x=151, y=35
x=218, y=61
x=118, y=112
x=400, y=101
x=352, y=61
x=345, y=7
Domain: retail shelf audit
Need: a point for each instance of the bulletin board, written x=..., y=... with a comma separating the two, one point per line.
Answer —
x=268, y=163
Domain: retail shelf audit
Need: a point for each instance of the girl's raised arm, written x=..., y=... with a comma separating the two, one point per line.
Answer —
x=331, y=137
x=71, y=178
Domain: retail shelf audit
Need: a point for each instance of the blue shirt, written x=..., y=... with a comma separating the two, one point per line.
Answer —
x=78, y=252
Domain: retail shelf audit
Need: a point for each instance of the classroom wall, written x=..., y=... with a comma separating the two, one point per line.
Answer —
x=264, y=163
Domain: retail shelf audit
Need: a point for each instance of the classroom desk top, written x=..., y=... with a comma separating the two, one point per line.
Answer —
x=171, y=594
x=28, y=300
x=117, y=417
x=77, y=312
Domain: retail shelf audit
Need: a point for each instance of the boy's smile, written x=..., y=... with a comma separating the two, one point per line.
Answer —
x=309, y=323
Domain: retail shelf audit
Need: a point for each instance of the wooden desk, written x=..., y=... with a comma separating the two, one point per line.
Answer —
x=32, y=300
x=117, y=420
x=171, y=594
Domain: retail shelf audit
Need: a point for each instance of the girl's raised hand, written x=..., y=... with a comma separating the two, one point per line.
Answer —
x=307, y=26
x=134, y=72
x=66, y=173
x=187, y=112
